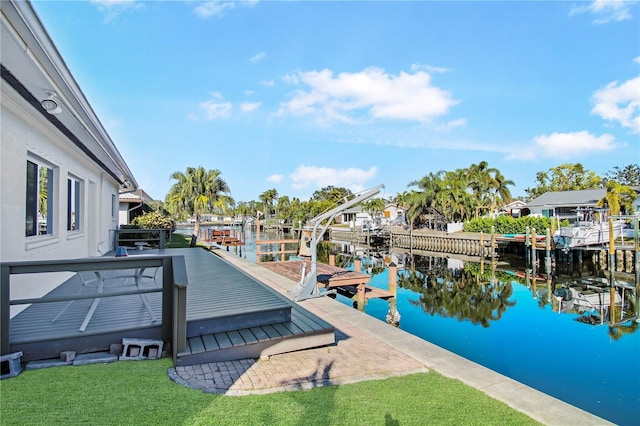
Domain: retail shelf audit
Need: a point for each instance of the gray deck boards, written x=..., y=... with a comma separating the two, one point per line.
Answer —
x=217, y=293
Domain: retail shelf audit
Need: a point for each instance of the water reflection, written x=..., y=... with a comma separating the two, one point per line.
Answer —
x=462, y=294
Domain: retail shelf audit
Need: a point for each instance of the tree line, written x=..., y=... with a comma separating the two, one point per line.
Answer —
x=459, y=195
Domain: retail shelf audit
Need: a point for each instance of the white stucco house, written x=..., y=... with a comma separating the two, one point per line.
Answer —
x=359, y=218
x=132, y=204
x=60, y=173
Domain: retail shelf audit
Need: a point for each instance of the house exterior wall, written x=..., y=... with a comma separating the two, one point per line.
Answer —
x=123, y=214
x=392, y=212
x=25, y=135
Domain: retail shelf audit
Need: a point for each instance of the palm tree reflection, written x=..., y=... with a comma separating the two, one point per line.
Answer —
x=464, y=294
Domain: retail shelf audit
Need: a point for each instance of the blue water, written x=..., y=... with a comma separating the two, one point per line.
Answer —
x=550, y=351
x=575, y=362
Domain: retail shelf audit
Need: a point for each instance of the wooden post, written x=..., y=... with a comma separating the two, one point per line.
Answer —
x=612, y=271
x=332, y=260
x=392, y=278
x=580, y=262
x=636, y=263
x=357, y=265
x=481, y=252
x=258, y=250
x=527, y=243
x=362, y=296
x=547, y=259
x=534, y=255
x=493, y=244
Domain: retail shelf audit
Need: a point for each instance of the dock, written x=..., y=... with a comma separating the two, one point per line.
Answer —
x=222, y=237
x=348, y=283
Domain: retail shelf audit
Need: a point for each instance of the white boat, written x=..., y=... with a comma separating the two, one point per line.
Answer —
x=591, y=228
x=590, y=295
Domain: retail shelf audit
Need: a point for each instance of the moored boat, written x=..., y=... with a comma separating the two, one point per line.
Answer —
x=592, y=228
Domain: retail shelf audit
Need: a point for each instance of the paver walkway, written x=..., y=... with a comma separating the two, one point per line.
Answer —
x=354, y=357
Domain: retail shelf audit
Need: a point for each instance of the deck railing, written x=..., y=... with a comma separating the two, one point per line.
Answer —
x=173, y=289
x=130, y=236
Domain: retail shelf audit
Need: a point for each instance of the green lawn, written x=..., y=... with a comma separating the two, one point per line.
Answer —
x=141, y=393
x=180, y=240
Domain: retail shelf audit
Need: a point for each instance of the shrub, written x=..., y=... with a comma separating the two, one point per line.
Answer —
x=153, y=220
x=509, y=225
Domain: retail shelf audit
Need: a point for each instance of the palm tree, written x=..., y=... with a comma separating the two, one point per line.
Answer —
x=618, y=198
x=267, y=198
x=374, y=206
x=198, y=191
x=489, y=186
x=500, y=192
x=420, y=201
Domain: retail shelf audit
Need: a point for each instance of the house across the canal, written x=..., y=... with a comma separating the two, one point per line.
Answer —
x=564, y=204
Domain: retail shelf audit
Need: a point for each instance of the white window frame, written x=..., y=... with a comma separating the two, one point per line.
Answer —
x=33, y=223
x=75, y=203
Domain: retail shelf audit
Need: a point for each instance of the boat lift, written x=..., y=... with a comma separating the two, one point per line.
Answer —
x=307, y=288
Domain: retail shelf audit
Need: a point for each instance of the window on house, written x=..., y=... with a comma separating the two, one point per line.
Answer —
x=39, y=200
x=74, y=212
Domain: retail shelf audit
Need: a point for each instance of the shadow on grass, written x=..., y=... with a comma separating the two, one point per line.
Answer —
x=315, y=410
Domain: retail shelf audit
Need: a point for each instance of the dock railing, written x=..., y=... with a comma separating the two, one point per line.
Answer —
x=282, y=252
x=173, y=289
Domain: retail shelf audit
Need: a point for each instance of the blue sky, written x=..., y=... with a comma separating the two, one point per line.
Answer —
x=300, y=95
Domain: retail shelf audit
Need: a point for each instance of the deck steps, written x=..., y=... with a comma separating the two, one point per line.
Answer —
x=303, y=331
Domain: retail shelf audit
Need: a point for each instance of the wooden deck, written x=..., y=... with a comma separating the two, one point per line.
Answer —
x=230, y=315
x=330, y=277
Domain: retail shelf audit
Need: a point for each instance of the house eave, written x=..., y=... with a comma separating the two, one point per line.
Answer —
x=33, y=67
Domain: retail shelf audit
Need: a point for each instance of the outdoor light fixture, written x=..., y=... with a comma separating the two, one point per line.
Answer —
x=51, y=105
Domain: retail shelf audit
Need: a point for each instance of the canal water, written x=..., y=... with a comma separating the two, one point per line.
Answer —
x=509, y=324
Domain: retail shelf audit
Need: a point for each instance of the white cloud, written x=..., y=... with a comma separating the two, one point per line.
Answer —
x=447, y=127
x=276, y=178
x=218, y=7
x=564, y=146
x=606, y=11
x=213, y=8
x=115, y=8
x=637, y=60
x=268, y=83
x=620, y=103
x=371, y=92
x=215, y=108
x=257, y=57
x=429, y=68
x=318, y=177
x=249, y=106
